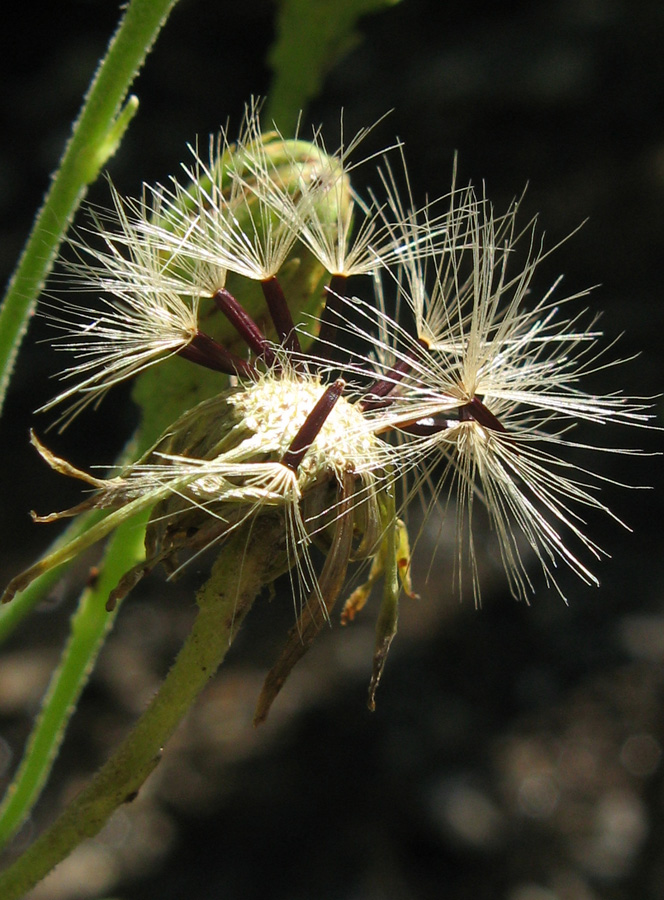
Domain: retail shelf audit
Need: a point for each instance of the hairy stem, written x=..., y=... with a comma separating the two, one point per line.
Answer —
x=95, y=138
x=89, y=626
x=253, y=557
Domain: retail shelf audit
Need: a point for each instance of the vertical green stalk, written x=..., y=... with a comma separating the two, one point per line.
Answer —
x=386, y=625
x=89, y=626
x=311, y=37
x=95, y=137
x=12, y=614
x=253, y=557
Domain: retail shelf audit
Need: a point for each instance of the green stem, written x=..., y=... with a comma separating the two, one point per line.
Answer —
x=89, y=626
x=300, y=63
x=252, y=558
x=386, y=625
x=95, y=137
x=12, y=614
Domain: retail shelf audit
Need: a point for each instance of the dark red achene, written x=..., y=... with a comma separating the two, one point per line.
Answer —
x=473, y=411
x=476, y=410
x=377, y=395
x=205, y=351
x=331, y=311
x=312, y=425
x=244, y=325
x=281, y=314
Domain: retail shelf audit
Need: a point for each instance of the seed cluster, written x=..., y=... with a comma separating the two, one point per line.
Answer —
x=317, y=402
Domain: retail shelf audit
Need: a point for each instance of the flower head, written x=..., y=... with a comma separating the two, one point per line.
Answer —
x=461, y=383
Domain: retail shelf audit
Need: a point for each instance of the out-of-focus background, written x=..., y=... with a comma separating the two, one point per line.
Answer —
x=516, y=751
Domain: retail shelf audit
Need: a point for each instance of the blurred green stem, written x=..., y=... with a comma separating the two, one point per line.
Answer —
x=253, y=557
x=12, y=614
x=311, y=37
x=89, y=626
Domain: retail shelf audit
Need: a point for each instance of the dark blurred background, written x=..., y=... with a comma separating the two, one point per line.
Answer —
x=516, y=751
